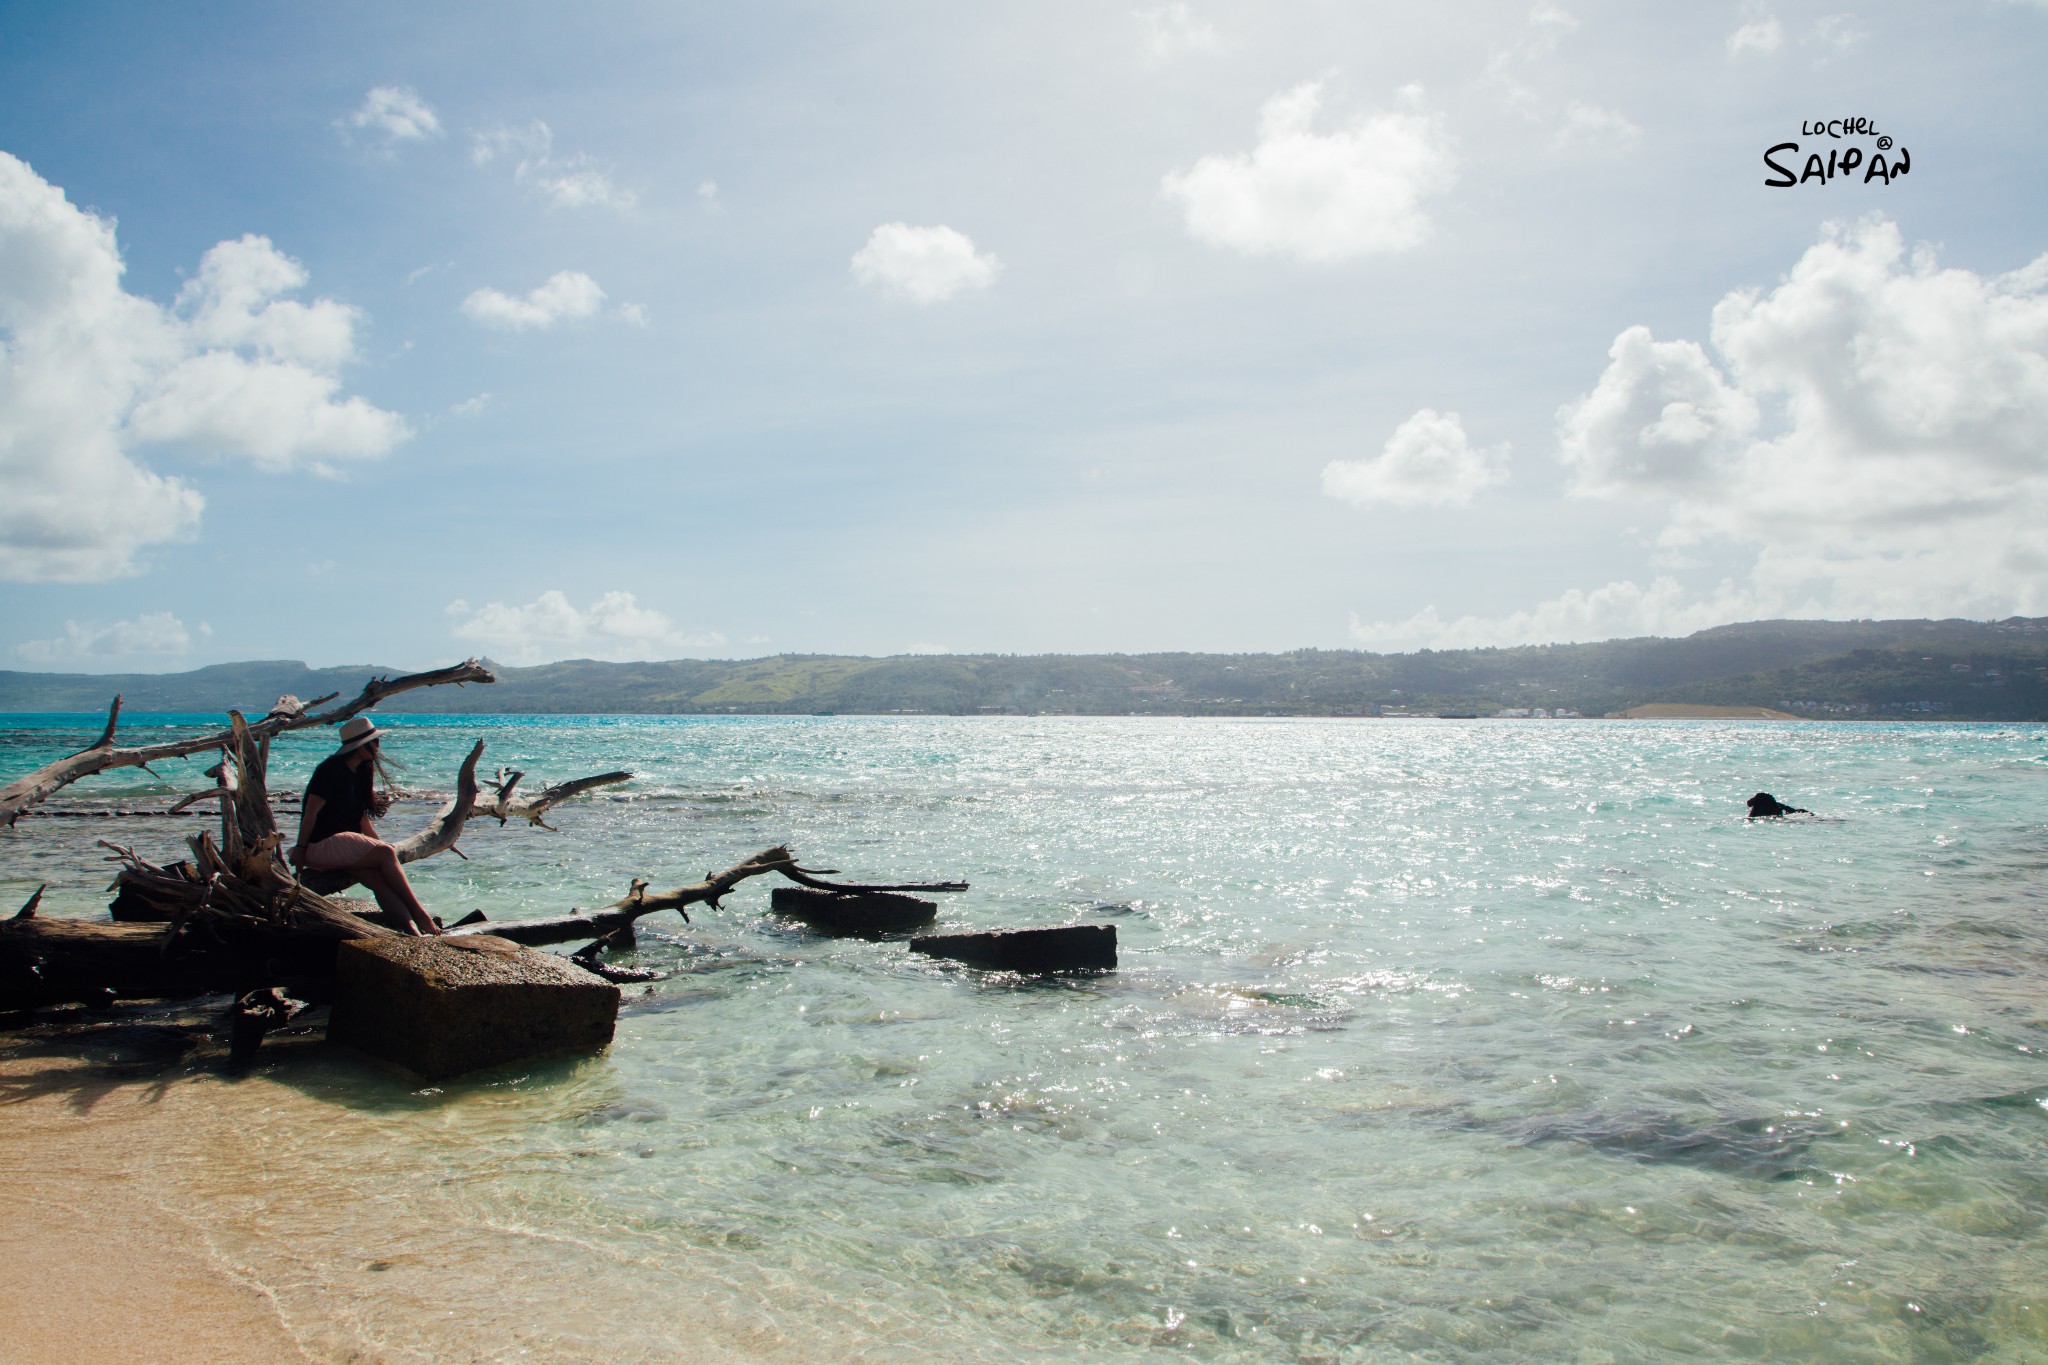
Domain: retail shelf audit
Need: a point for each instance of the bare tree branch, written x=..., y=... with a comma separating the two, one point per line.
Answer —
x=447, y=826
x=101, y=755
x=532, y=808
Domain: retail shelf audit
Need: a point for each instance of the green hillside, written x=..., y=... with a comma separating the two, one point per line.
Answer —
x=1837, y=669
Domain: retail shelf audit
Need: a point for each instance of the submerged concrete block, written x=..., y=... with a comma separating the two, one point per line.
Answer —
x=441, y=1006
x=870, y=912
x=1078, y=947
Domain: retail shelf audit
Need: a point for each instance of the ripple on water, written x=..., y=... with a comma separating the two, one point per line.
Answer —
x=1455, y=1041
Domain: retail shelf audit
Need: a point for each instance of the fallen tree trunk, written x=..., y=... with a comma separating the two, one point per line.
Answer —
x=236, y=929
x=576, y=926
x=289, y=714
x=446, y=827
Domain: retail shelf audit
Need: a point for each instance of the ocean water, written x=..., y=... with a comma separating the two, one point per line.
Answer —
x=1430, y=1040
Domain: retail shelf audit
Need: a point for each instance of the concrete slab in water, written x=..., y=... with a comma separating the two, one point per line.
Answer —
x=441, y=1006
x=1078, y=947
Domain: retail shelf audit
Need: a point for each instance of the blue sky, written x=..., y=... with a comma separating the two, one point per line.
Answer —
x=392, y=334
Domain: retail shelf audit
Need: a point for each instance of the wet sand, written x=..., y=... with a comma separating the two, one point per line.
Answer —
x=92, y=1267
x=155, y=1208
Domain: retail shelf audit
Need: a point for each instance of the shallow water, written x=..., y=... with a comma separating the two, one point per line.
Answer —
x=1467, y=1041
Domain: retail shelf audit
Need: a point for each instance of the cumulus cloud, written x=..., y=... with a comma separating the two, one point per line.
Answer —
x=1762, y=36
x=1620, y=610
x=90, y=372
x=571, y=182
x=567, y=296
x=924, y=264
x=1173, y=30
x=1874, y=417
x=154, y=633
x=1319, y=197
x=1874, y=429
x=550, y=628
x=1427, y=462
x=397, y=114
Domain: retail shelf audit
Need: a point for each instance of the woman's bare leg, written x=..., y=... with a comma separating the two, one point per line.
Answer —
x=378, y=869
x=387, y=882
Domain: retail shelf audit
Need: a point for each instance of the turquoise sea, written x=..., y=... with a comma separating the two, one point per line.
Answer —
x=1492, y=1041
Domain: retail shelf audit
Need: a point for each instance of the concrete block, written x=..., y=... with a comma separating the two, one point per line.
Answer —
x=872, y=912
x=1078, y=947
x=441, y=1006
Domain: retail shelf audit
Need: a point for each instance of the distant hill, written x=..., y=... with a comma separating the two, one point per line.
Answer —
x=1839, y=669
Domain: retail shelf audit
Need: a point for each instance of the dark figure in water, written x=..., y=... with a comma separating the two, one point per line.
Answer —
x=1764, y=806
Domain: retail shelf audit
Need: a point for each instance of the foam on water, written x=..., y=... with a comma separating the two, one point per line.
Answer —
x=1486, y=1041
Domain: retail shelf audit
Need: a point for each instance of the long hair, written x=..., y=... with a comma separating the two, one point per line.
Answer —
x=385, y=790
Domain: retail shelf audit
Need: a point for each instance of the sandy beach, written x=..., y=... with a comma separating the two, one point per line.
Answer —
x=94, y=1266
x=156, y=1208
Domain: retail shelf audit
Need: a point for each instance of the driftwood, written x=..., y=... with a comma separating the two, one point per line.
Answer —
x=233, y=918
x=289, y=714
x=504, y=805
x=446, y=827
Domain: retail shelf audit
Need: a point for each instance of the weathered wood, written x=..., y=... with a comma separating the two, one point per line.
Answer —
x=101, y=755
x=504, y=806
x=810, y=877
x=253, y=1015
x=64, y=961
x=576, y=926
x=446, y=827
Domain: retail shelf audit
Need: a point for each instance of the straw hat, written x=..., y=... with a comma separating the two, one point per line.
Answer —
x=356, y=732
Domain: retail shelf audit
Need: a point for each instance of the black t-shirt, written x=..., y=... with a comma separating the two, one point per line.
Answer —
x=345, y=793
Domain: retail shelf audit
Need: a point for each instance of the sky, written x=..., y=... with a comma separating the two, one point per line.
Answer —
x=394, y=334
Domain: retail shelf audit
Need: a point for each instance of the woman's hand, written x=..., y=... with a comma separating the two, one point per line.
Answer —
x=295, y=855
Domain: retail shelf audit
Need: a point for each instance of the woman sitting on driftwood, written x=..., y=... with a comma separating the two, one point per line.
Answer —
x=335, y=833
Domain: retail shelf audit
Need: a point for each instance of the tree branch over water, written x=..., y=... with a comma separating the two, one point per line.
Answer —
x=289, y=714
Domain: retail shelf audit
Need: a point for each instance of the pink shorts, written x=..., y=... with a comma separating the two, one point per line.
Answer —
x=341, y=851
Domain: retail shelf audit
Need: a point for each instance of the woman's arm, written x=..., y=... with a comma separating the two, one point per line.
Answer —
x=307, y=814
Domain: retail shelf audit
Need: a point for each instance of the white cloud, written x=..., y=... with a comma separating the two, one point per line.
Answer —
x=471, y=406
x=1838, y=31
x=1426, y=462
x=1320, y=198
x=923, y=264
x=280, y=416
x=152, y=633
x=1574, y=123
x=1591, y=124
x=89, y=372
x=1874, y=429
x=572, y=182
x=568, y=295
x=1763, y=36
x=397, y=113
x=549, y=628
x=1173, y=30
x=1876, y=425
x=1620, y=610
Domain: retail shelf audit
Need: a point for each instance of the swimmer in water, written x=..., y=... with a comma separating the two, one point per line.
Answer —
x=1764, y=806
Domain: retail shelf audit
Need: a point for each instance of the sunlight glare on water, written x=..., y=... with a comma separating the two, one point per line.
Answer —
x=1480, y=1041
